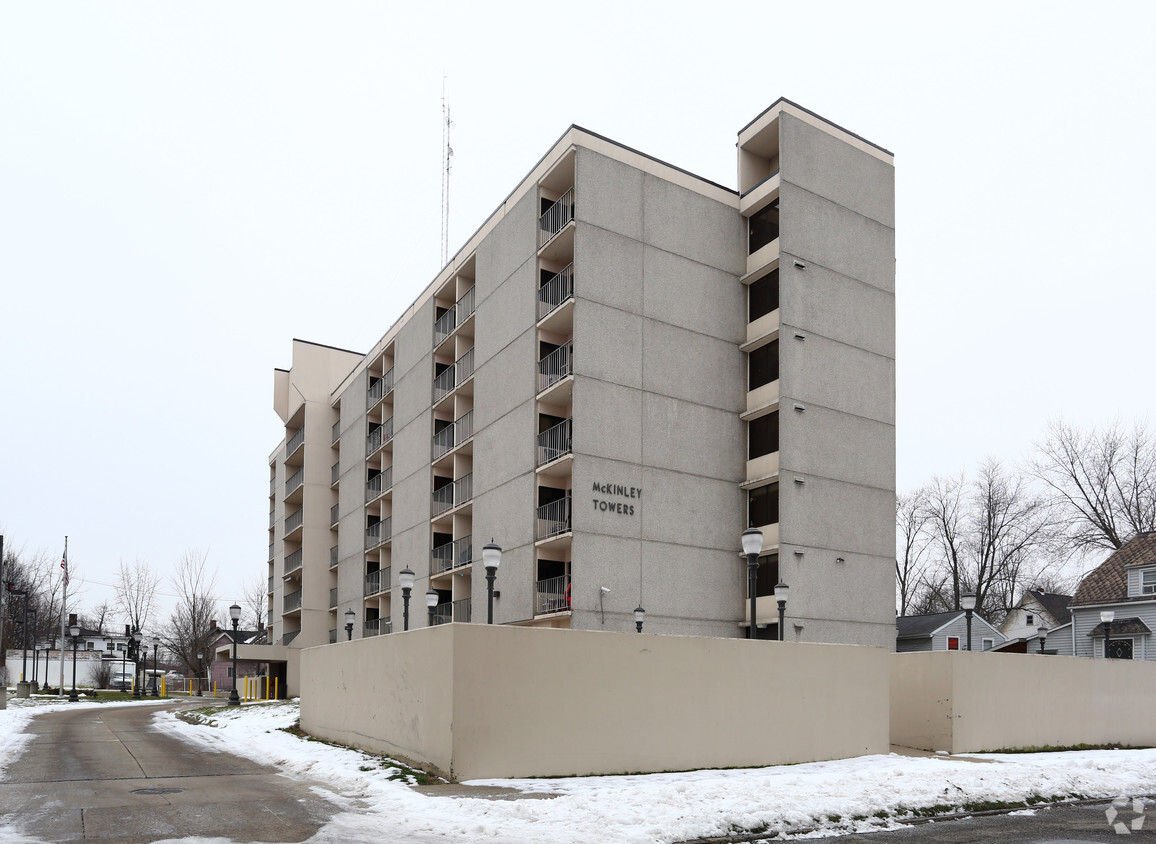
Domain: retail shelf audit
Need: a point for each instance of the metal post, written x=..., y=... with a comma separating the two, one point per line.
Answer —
x=24, y=637
x=782, y=619
x=73, y=697
x=753, y=588
x=968, y=613
x=156, y=681
x=405, y=608
x=1107, y=639
x=3, y=660
x=491, y=575
x=123, y=657
x=234, y=698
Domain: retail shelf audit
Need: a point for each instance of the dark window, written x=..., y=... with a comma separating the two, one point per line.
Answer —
x=763, y=436
x=763, y=505
x=1120, y=649
x=764, y=227
x=767, y=577
x=548, y=495
x=764, y=365
x=1030, y=621
x=763, y=296
x=546, y=422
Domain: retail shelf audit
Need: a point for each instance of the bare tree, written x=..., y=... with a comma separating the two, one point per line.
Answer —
x=95, y=618
x=188, y=632
x=1102, y=481
x=911, y=522
x=136, y=591
x=255, y=602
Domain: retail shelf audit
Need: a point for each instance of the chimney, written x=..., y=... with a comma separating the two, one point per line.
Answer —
x=260, y=626
x=213, y=625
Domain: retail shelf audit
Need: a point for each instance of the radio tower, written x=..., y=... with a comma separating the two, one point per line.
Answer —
x=447, y=160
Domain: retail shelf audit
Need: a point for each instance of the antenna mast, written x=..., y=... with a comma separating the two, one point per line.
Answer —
x=447, y=157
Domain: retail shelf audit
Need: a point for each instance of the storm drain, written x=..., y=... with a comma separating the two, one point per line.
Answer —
x=157, y=790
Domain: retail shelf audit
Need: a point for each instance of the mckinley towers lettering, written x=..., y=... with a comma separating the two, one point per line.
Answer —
x=621, y=491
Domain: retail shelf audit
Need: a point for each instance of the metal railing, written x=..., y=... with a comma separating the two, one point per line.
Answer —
x=336, y=431
x=373, y=583
x=333, y=636
x=293, y=561
x=555, y=442
x=373, y=488
x=293, y=601
x=444, y=382
x=552, y=595
x=272, y=486
x=445, y=324
x=387, y=382
x=465, y=305
x=462, y=610
x=453, y=554
x=465, y=365
x=453, y=494
x=372, y=626
x=443, y=441
x=553, y=518
x=379, y=436
x=556, y=291
x=271, y=551
x=272, y=518
x=378, y=533
x=295, y=441
x=271, y=583
x=386, y=479
x=454, y=434
x=333, y=556
x=443, y=498
x=556, y=365
x=443, y=614
x=333, y=515
x=375, y=391
x=557, y=215
x=289, y=637
x=334, y=473
x=333, y=596
x=294, y=520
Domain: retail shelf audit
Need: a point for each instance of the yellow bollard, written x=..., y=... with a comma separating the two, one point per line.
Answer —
x=276, y=684
x=164, y=689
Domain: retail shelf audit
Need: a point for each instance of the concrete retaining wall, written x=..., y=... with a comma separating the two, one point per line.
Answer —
x=476, y=701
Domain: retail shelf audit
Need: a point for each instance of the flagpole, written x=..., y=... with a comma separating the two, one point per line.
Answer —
x=63, y=616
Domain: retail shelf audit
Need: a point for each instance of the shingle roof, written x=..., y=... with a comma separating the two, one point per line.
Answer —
x=1055, y=605
x=915, y=626
x=1122, y=627
x=1108, y=583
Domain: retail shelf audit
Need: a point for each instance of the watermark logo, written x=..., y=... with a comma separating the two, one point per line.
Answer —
x=1119, y=806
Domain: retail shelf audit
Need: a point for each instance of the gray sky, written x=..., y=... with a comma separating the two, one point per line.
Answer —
x=184, y=188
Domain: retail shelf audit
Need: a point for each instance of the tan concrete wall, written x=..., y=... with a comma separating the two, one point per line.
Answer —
x=968, y=702
x=537, y=702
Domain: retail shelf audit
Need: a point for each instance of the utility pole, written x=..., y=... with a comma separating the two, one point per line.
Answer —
x=3, y=661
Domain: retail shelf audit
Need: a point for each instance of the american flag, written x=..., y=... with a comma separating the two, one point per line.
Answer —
x=64, y=565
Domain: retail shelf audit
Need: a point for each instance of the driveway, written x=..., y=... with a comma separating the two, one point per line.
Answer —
x=104, y=774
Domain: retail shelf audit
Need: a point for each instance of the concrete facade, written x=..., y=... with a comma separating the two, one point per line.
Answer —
x=579, y=384
x=479, y=701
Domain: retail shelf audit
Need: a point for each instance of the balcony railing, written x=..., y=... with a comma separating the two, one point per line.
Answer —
x=289, y=637
x=456, y=373
x=373, y=583
x=444, y=382
x=294, y=520
x=378, y=533
x=557, y=215
x=445, y=324
x=372, y=626
x=272, y=486
x=556, y=366
x=465, y=305
x=333, y=596
x=293, y=561
x=462, y=610
x=553, y=518
x=295, y=441
x=334, y=473
x=552, y=595
x=271, y=584
x=293, y=601
x=272, y=518
x=555, y=442
x=452, y=494
x=465, y=365
x=454, y=434
x=333, y=556
x=556, y=291
x=333, y=636
x=271, y=551
x=375, y=392
x=443, y=614
x=373, y=488
x=336, y=431
x=333, y=515
x=379, y=436
x=460, y=552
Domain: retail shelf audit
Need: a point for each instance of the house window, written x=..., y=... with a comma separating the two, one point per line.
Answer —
x=1030, y=620
x=953, y=643
x=1148, y=582
x=988, y=644
x=1120, y=649
x=230, y=674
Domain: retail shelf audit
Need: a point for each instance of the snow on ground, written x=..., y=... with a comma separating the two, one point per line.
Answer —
x=816, y=799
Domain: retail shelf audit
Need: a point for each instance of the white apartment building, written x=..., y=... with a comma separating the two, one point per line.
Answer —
x=621, y=370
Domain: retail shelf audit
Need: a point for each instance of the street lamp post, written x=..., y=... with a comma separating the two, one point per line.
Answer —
x=349, y=616
x=124, y=656
x=74, y=631
x=405, y=577
x=639, y=617
x=1107, y=616
x=1043, y=628
x=35, y=661
x=752, y=547
x=156, y=685
x=782, y=591
x=491, y=559
x=137, y=639
x=967, y=601
x=431, y=601
x=235, y=615
x=200, y=673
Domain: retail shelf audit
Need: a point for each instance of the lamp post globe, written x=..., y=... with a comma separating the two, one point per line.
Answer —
x=235, y=616
x=1043, y=628
x=1107, y=617
x=639, y=617
x=782, y=591
x=405, y=578
x=74, y=632
x=200, y=672
x=431, y=601
x=752, y=547
x=491, y=559
x=967, y=601
x=350, y=615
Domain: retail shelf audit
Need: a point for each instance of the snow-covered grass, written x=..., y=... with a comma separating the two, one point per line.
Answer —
x=817, y=799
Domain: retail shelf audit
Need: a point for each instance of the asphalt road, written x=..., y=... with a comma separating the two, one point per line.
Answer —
x=103, y=774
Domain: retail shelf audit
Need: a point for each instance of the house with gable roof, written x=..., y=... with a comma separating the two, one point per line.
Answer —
x=1036, y=611
x=944, y=631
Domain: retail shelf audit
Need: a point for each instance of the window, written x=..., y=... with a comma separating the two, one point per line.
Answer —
x=764, y=365
x=988, y=644
x=763, y=227
x=953, y=643
x=1148, y=582
x=230, y=674
x=1030, y=620
x=763, y=436
x=1120, y=649
x=763, y=505
x=763, y=296
x=767, y=577
x=90, y=646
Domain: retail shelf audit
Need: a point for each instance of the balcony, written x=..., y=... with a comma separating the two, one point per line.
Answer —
x=373, y=581
x=272, y=518
x=379, y=484
x=375, y=392
x=556, y=366
x=378, y=626
x=333, y=515
x=293, y=601
x=553, y=519
x=333, y=636
x=335, y=473
x=271, y=584
x=272, y=553
x=453, y=375
x=552, y=595
x=272, y=486
x=378, y=533
x=289, y=637
x=453, y=435
x=453, y=494
x=556, y=216
x=293, y=561
x=452, y=555
x=379, y=436
x=295, y=481
x=295, y=442
x=336, y=432
x=555, y=291
x=294, y=521
x=333, y=597
x=555, y=442
x=445, y=324
x=333, y=556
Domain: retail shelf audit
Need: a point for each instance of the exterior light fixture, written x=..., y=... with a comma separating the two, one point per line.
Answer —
x=136, y=638
x=74, y=632
x=200, y=673
x=1043, y=628
x=431, y=601
x=491, y=559
x=752, y=547
x=782, y=590
x=639, y=617
x=406, y=578
x=967, y=601
x=235, y=616
x=350, y=615
x=1107, y=617
x=156, y=681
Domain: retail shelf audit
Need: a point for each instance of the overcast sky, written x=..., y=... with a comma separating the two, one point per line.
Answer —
x=184, y=188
